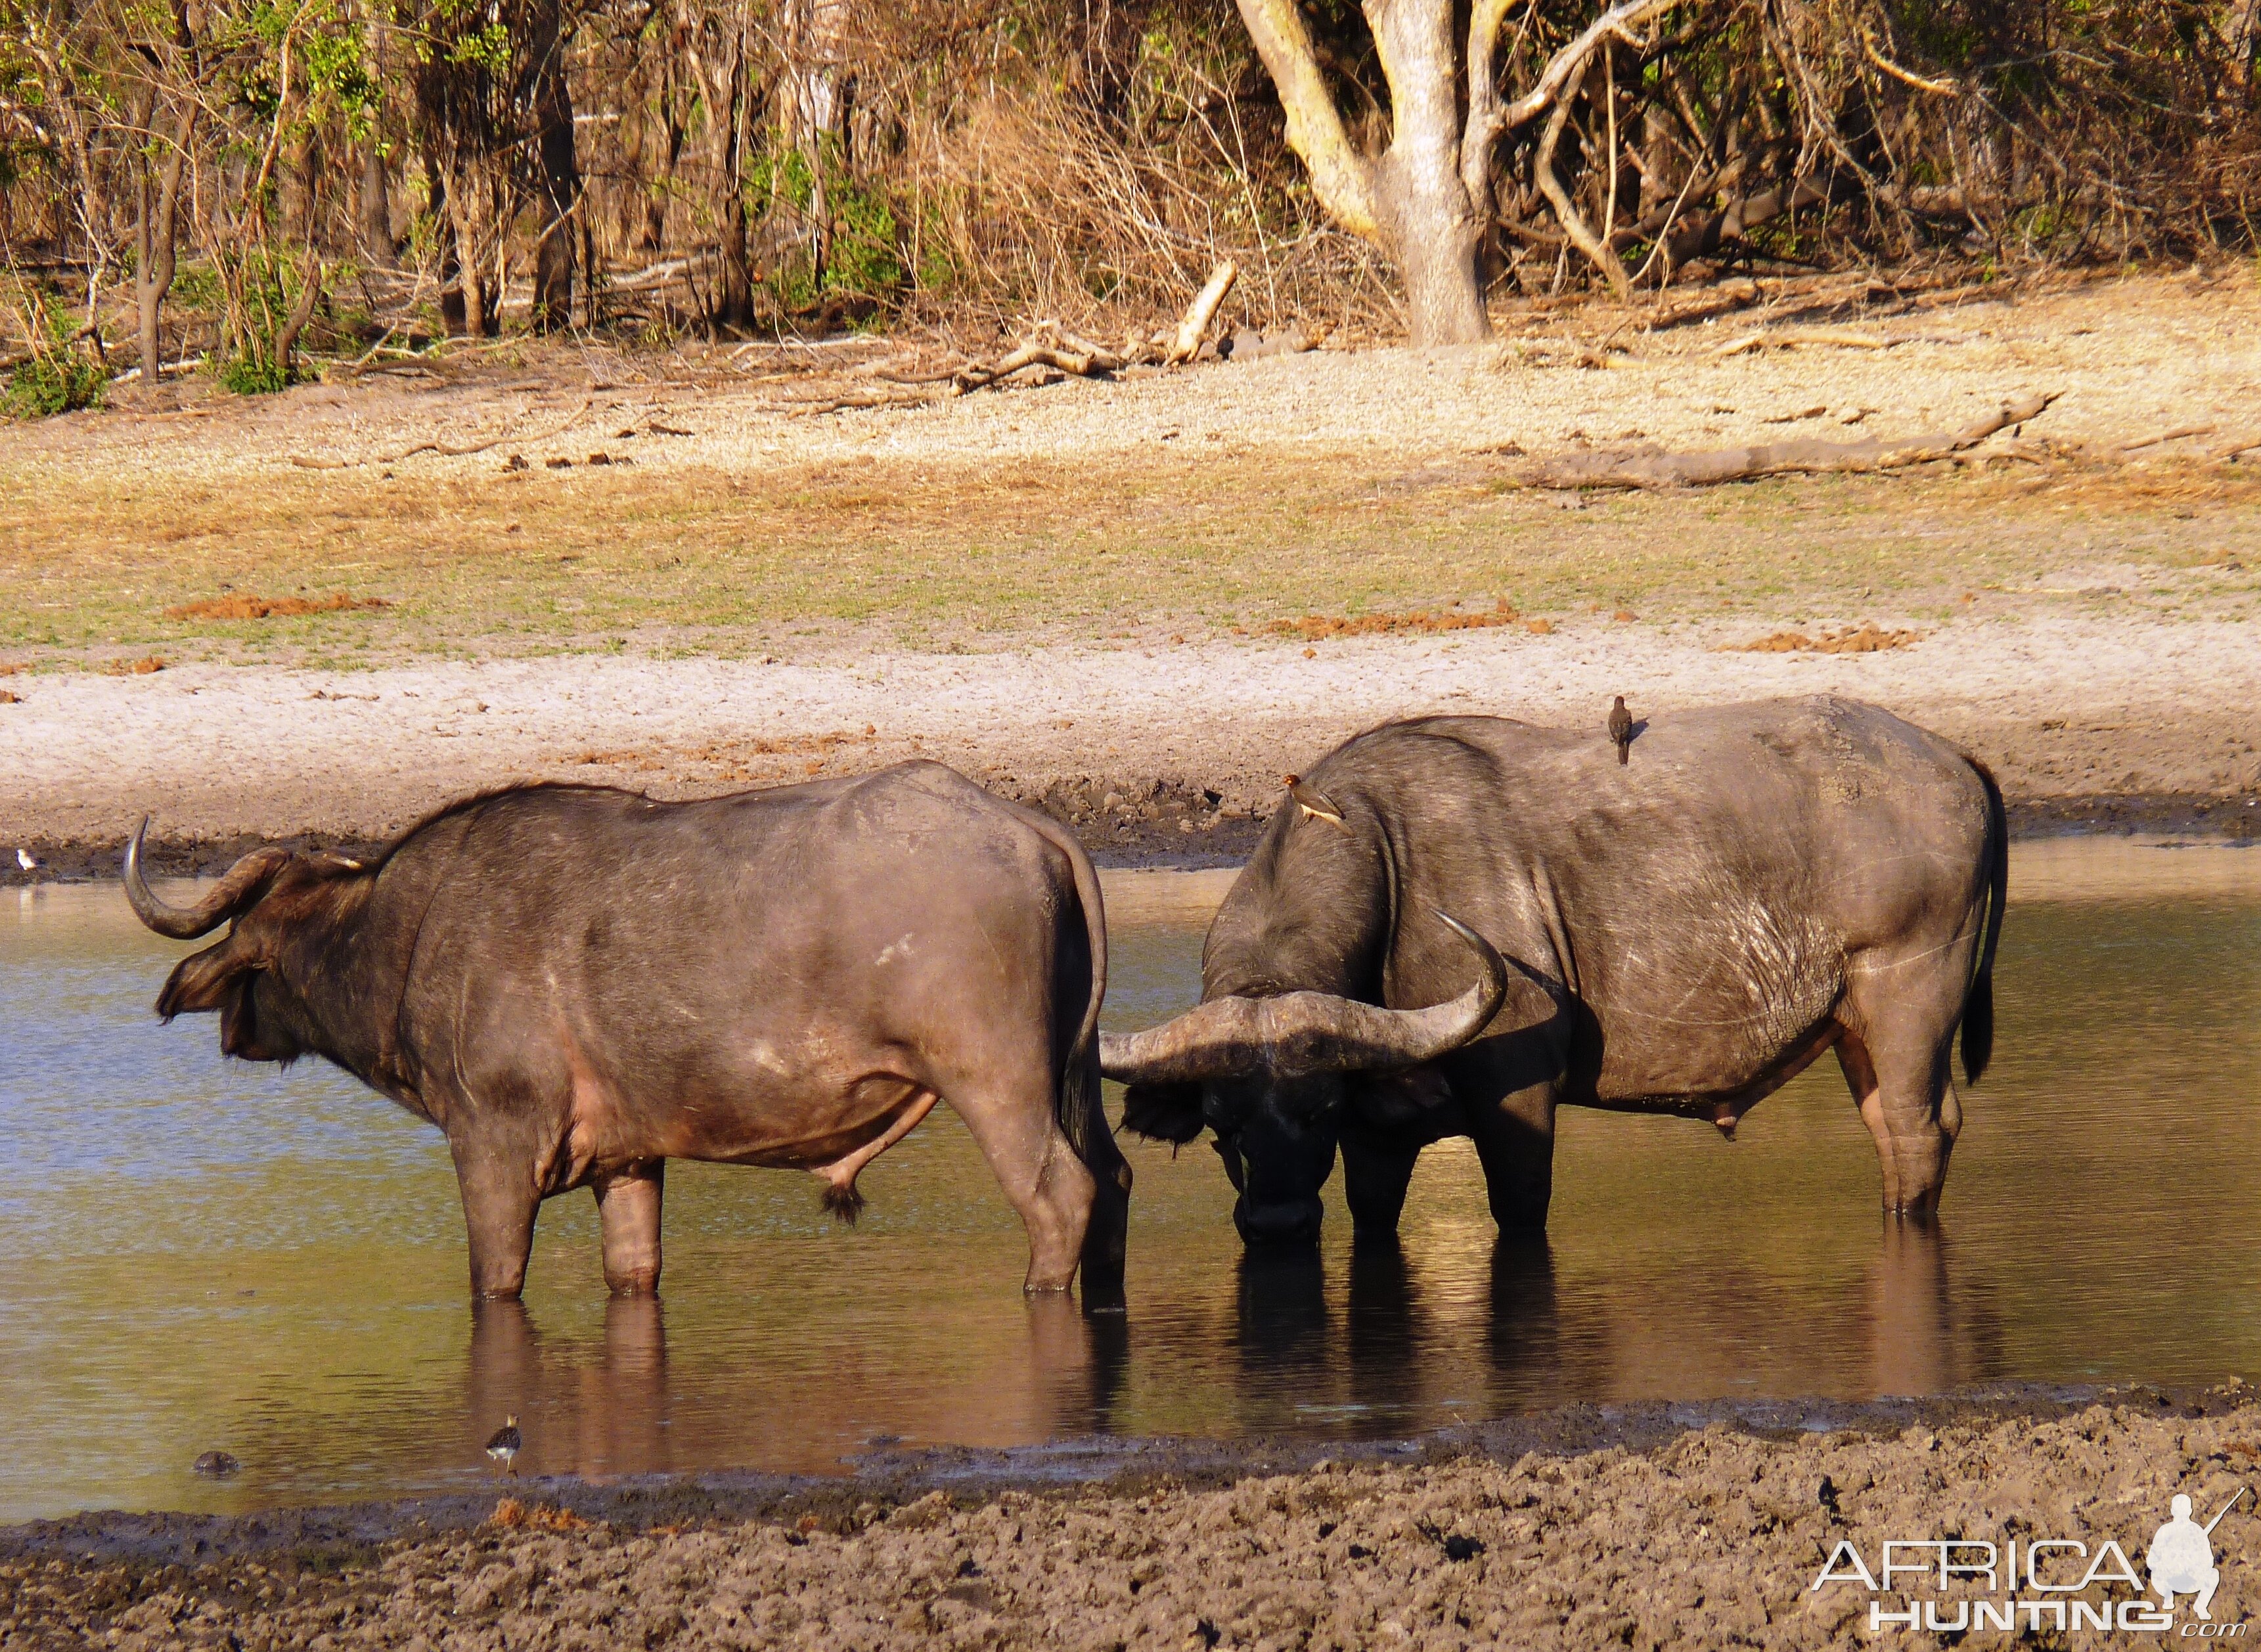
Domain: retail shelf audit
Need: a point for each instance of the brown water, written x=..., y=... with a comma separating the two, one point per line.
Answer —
x=204, y=1254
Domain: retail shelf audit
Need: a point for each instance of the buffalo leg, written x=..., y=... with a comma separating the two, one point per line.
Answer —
x=1515, y=1143
x=628, y=1210
x=500, y=1203
x=1106, y=1236
x=1913, y=1113
x=1375, y=1177
x=1042, y=1177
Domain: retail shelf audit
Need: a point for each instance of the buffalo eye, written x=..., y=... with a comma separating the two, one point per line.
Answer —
x=1163, y=1112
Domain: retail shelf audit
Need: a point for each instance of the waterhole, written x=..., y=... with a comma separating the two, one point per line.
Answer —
x=208, y=1255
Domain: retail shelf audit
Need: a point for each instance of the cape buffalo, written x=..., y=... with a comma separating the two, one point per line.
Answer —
x=576, y=984
x=1759, y=883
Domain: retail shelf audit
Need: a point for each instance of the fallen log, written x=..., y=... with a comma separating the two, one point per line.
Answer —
x=862, y=403
x=1797, y=337
x=445, y=449
x=1034, y=352
x=2175, y=434
x=1201, y=313
x=1653, y=468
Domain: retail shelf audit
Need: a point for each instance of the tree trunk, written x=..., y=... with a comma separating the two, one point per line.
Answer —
x=2242, y=35
x=467, y=209
x=561, y=174
x=656, y=198
x=373, y=210
x=722, y=86
x=733, y=305
x=818, y=88
x=376, y=212
x=157, y=245
x=451, y=288
x=295, y=190
x=1433, y=229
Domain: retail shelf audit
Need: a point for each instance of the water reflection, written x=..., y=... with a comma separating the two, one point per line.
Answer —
x=607, y=1407
x=603, y=1411
x=1382, y=1349
x=271, y=1263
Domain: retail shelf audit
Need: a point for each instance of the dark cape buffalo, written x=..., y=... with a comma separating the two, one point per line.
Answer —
x=1682, y=935
x=578, y=984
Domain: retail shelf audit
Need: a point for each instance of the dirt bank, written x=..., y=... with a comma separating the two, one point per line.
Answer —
x=1651, y=1530
x=1150, y=751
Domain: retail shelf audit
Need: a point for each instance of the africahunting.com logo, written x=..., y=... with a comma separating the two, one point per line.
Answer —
x=2055, y=1582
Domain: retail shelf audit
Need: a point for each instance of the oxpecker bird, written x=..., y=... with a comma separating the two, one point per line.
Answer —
x=502, y=1445
x=1621, y=730
x=1315, y=803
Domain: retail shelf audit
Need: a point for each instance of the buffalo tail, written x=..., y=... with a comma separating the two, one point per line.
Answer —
x=1978, y=1002
x=1082, y=1120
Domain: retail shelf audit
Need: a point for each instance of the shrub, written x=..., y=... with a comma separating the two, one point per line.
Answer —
x=60, y=380
x=60, y=377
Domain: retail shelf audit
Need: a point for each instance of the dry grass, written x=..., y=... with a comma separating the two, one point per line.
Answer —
x=922, y=557
x=1329, y=495
x=1866, y=638
x=240, y=607
x=1314, y=627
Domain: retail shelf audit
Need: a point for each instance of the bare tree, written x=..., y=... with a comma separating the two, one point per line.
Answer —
x=547, y=98
x=157, y=237
x=1426, y=198
x=375, y=213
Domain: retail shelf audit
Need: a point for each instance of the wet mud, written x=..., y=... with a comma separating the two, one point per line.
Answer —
x=1645, y=1527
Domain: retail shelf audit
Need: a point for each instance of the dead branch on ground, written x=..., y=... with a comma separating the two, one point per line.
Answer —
x=2175, y=434
x=1201, y=313
x=1653, y=468
x=444, y=450
x=1807, y=337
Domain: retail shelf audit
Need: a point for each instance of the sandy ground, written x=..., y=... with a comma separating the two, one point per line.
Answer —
x=2129, y=357
x=1714, y=1537
x=1133, y=745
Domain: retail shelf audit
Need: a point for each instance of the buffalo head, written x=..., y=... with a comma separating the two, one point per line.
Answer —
x=1270, y=1075
x=265, y=899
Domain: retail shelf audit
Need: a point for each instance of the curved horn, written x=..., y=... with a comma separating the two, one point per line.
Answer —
x=1297, y=1034
x=238, y=889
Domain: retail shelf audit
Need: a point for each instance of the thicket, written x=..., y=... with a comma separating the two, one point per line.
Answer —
x=238, y=179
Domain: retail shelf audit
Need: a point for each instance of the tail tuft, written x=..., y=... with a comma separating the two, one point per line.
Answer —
x=844, y=1202
x=1978, y=1028
x=1978, y=1002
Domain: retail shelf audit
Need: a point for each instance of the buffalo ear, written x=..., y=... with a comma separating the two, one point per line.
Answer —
x=201, y=982
x=1398, y=1098
x=1163, y=1112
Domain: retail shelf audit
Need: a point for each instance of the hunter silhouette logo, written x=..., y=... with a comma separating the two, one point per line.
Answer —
x=1954, y=1585
x=2181, y=1556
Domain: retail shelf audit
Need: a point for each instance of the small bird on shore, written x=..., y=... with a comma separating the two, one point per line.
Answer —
x=502, y=1445
x=23, y=859
x=1621, y=731
x=1315, y=803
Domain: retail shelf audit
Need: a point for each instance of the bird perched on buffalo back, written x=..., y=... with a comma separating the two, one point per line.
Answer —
x=1621, y=730
x=502, y=1444
x=1314, y=803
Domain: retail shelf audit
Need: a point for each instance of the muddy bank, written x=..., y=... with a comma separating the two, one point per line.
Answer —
x=1650, y=1526
x=1154, y=754
x=1153, y=839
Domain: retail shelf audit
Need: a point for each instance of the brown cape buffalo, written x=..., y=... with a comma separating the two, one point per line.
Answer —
x=1684, y=934
x=576, y=984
